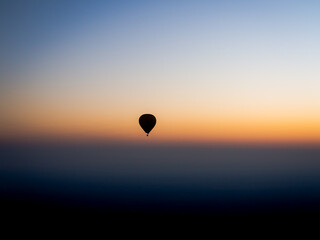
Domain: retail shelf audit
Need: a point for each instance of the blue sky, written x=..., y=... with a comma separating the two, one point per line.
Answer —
x=227, y=60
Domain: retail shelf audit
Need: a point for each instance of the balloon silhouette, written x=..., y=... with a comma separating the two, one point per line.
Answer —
x=147, y=122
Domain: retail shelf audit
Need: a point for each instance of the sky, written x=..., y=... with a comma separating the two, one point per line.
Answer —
x=210, y=71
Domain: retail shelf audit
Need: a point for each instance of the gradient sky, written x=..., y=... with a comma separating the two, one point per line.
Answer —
x=208, y=70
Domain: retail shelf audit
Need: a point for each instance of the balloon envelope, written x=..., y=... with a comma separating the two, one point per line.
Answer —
x=147, y=122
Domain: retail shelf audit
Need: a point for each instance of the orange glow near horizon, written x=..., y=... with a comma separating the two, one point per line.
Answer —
x=169, y=128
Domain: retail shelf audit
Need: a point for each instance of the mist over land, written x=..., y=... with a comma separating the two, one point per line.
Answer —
x=160, y=179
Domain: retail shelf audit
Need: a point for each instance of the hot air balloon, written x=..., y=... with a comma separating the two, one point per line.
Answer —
x=147, y=122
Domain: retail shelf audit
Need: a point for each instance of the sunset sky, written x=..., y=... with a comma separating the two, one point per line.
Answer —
x=210, y=71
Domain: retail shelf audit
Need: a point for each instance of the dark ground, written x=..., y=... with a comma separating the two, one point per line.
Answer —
x=100, y=180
